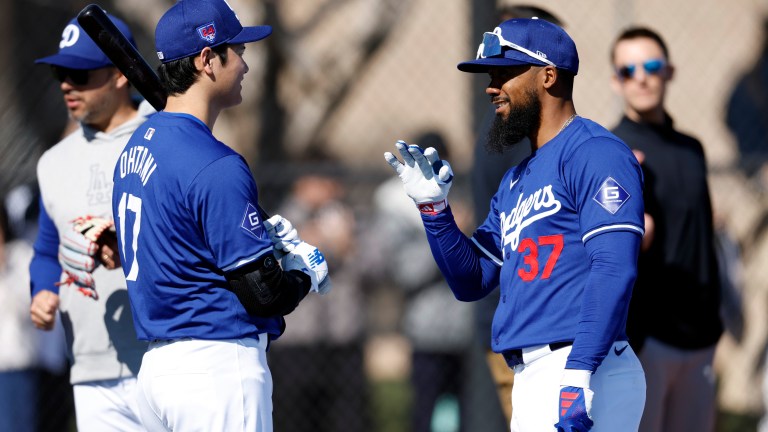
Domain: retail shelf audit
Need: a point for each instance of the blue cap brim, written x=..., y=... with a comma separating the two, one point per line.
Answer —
x=72, y=62
x=251, y=34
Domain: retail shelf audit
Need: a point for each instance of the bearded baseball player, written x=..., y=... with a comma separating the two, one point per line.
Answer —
x=561, y=238
x=76, y=235
x=204, y=280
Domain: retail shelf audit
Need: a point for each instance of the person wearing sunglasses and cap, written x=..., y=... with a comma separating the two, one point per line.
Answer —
x=75, y=185
x=560, y=240
x=674, y=321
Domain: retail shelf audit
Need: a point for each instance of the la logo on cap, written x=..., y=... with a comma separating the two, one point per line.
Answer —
x=207, y=32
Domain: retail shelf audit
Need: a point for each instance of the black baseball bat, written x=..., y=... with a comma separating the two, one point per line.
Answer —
x=94, y=20
x=123, y=54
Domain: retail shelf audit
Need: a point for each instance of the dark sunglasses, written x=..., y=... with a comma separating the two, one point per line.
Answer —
x=77, y=76
x=653, y=67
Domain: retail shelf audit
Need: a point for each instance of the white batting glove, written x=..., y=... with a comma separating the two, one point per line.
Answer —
x=78, y=248
x=283, y=235
x=308, y=259
x=426, y=178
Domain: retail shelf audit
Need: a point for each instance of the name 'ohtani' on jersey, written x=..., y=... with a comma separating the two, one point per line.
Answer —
x=137, y=160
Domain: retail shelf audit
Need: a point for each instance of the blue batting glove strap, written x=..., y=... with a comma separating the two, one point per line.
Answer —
x=574, y=416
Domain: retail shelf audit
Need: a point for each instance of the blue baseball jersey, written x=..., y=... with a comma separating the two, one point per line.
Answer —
x=185, y=208
x=583, y=183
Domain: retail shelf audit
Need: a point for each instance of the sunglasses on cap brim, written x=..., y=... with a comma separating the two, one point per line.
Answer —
x=494, y=43
x=653, y=67
x=77, y=76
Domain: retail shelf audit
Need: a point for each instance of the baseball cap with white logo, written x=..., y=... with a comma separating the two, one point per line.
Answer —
x=191, y=25
x=518, y=42
x=78, y=51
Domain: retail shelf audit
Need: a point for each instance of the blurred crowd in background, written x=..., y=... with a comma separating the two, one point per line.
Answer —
x=334, y=87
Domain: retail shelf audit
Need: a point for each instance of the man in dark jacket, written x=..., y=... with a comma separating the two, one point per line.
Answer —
x=674, y=320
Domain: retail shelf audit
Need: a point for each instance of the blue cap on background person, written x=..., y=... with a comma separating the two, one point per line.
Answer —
x=78, y=51
x=519, y=42
x=191, y=25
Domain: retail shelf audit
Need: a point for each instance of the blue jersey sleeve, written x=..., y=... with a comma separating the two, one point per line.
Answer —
x=45, y=270
x=469, y=273
x=224, y=201
x=604, y=306
x=606, y=182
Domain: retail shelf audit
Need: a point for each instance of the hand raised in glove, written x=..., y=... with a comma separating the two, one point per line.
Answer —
x=575, y=402
x=426, y=178
x=308, y=259
x=282, y=234
x=91, y=242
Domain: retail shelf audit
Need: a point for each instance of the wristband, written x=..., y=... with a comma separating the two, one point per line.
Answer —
x=576, y=378
x=433, y=208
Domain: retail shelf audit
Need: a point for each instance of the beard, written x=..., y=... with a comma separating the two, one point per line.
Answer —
x=523, y=119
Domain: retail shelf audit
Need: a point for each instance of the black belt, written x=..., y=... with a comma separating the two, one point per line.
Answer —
x=514, y=357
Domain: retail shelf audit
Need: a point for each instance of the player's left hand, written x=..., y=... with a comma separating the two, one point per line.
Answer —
x=91, y=242
x=427, y=178
x=308, y=259
x=574, y=407
x=283, y=235
x=575, y=401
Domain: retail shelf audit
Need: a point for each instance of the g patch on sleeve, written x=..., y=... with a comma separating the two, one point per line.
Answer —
x=611, y=196
x=251, y=220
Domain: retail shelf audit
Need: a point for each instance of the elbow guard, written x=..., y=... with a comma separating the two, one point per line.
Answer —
x=265, y=290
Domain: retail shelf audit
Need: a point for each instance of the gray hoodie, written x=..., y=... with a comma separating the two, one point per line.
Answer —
x=75, y=178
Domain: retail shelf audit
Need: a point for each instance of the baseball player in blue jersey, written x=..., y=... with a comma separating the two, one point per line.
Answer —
x=206, y=288
x=560, y=241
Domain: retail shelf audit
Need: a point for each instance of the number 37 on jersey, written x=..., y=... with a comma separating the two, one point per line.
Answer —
x=539, y=256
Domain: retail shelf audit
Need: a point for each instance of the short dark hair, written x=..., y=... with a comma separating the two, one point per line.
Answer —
x=639, y=32
x=566, y=79
x=177, y=76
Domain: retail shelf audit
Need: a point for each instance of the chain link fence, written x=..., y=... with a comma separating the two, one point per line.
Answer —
x=334, y=87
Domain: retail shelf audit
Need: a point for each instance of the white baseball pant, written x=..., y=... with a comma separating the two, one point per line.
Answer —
x=206, y=385
x=618, y=386
x=107, y=405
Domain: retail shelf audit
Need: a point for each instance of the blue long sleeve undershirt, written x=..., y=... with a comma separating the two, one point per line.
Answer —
x=45, y=270
x=470, y=274
x=612, y=274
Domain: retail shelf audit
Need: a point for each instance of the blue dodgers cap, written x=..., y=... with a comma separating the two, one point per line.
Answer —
x=518, y=41
x=78, y=51
x=191, y=25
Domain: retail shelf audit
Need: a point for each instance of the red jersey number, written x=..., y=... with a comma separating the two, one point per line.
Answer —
x=530, y=249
